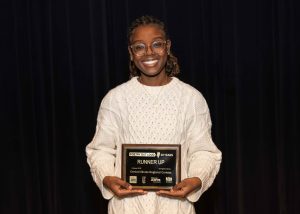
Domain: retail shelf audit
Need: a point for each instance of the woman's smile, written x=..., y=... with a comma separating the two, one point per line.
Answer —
x=150, y=62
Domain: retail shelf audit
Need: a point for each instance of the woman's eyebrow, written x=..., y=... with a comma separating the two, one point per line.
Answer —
x=159, y=37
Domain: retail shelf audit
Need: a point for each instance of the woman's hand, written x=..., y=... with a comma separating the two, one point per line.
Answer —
x=182, y=189
x=121, y=188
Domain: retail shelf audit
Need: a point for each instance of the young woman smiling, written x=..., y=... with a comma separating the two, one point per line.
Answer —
x=153, y=107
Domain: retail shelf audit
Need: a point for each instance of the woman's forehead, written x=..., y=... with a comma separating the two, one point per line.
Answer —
x=145, y=32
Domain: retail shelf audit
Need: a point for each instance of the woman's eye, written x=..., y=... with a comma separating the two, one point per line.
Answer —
x=157, y=44
x=139, y=47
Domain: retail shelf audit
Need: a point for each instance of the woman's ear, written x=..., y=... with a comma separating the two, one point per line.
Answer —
x=168, y=47
x=130, y=53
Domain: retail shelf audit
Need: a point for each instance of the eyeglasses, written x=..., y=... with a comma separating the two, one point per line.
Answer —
x=140, y=48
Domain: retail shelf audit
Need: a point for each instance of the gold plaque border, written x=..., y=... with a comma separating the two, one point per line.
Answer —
x=176, y=147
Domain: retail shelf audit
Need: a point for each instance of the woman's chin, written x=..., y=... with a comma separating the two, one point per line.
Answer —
x=150, y=73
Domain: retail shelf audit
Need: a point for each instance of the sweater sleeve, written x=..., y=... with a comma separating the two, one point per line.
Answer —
x=101, y=151
x=204, y=158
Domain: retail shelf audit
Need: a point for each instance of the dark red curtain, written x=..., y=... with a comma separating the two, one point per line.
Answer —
x=60, y=57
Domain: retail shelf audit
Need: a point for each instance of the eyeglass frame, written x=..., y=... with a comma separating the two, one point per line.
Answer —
x=147, y=46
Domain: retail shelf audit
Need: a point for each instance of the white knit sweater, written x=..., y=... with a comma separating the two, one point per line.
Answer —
x=133, y=113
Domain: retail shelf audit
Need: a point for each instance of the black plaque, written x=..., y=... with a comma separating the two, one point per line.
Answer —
x=151, y=166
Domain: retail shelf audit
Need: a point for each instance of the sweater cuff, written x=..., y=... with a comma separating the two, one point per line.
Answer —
x=196, y=194
x=204, y=175
x=106, y=192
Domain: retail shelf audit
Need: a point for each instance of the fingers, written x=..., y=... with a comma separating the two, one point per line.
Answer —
x=123, y=184
x=126, y=193
x=121, y=188
x=112, y=181
x=172, y=193
x=179, y=186
x=182, y=189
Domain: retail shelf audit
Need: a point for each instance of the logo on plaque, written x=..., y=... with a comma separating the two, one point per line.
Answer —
x=157, y=154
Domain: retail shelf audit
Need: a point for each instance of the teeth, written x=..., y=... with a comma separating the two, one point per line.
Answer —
x=150, y=62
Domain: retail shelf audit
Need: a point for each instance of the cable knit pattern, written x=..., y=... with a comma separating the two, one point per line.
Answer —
x=175, y=113
x=152, y=115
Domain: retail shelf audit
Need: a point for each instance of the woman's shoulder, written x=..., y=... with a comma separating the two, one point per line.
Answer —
x=117, y=93
x=193, y=97
x=122, y=88
x=188, y=89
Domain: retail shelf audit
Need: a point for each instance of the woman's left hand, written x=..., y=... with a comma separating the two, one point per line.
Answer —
x=182, y=189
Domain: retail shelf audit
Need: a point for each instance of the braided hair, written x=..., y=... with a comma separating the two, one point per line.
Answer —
x=172, y=67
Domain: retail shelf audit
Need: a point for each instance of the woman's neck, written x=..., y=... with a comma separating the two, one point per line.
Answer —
x=154, y=81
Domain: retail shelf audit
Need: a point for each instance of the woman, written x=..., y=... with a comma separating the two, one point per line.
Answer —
x=153, y=107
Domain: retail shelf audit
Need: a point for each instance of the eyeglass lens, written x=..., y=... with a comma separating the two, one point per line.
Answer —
x=140, y=49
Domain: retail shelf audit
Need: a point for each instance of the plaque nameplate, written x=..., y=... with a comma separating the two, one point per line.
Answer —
x=151, y=166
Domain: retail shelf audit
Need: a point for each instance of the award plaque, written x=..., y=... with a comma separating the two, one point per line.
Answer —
x=151, y=166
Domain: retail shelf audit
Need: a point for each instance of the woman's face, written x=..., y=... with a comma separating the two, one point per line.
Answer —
x=153, y=62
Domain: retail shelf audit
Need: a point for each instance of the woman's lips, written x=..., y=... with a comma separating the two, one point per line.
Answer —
x=150, y=63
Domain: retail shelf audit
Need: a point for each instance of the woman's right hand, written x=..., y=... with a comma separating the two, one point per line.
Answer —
x=121, y=188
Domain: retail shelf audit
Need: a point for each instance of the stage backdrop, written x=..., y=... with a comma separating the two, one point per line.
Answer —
x=60, y=57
